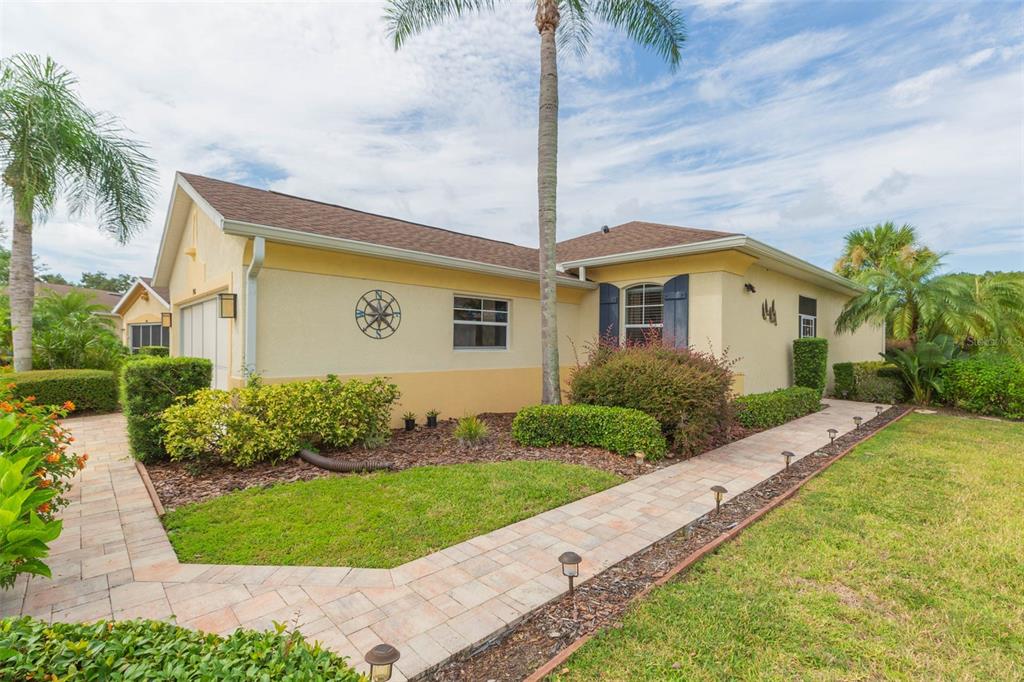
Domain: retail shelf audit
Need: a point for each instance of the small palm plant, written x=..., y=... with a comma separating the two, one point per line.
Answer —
x=921, y=365
x=471, y=431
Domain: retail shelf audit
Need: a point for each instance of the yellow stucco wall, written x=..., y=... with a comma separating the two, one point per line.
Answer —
x=142, y=308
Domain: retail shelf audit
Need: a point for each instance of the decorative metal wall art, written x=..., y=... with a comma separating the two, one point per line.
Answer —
x=378, y=314
x=768, y=312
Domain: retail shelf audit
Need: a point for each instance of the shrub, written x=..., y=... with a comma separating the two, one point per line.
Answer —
x=810, y=363
x=35, y=473
x=986, y=384
x=154, y=351
x=921, y=366
x=91, y=390
x=765, y=410
x=619, y=429
x=155, y=650
x=872, y=381
x=686, y=391
x=471, y=431
x=148, y=387
x=271, y=422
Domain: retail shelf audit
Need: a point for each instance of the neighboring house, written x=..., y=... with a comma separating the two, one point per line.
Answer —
x=140, y=309
x=290, y=288
x=106, y=299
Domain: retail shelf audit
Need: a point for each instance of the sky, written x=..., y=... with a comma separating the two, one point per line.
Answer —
x=793, y=123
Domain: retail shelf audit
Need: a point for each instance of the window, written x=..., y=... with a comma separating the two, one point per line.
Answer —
x=480, y=323
x=808, y=317
x=148, y=335
x=644, y=309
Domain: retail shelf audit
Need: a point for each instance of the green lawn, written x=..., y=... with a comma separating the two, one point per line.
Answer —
x=375, y=521
x=905, y=560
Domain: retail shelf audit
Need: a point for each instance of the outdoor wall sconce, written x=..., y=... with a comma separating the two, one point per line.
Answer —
x=879, y=409
x=832, y=433
x=165, y=320
x=228, y=305
x=857, y=421
x=381, y=659
x=750, y=288
x=789, y=457
x=719, y=491
x=570, y=567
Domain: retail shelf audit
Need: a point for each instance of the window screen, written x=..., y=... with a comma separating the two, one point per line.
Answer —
x=480, y=323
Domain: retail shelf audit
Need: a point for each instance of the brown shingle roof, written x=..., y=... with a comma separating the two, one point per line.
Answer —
x=632, y=236
x=107, y=299
x=162, y=292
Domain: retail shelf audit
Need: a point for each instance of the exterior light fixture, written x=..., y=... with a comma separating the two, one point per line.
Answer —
x=381, y=659
x=227, y=305
x=688, y=531
x=570, y=567
x=879, y=409
x=832, y=433
x=639, y=459
x=789, y=457
x=165, y=320
x=857, y=421
x=719, y=491
x=750, y=288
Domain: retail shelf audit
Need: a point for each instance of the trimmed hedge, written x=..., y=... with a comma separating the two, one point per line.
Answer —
x=148, y=387
x=154, y=351
x=91, y=390
x=31, y=649
x=810, y=363
x=619, y=429
x=871, y=382
x=986, y=384
x=765, y=410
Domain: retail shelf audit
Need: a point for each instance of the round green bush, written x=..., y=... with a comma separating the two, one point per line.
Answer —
x=619, y=429
x=986, y=384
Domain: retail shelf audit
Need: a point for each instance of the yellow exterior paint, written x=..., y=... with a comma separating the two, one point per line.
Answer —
x=142, y=308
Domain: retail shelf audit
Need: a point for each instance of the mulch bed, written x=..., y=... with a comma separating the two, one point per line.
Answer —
x=602, y=601
x=177, y=486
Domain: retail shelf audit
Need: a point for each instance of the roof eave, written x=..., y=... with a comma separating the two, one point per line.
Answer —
x=162, y=264
x=295, y=237
x=116, y=310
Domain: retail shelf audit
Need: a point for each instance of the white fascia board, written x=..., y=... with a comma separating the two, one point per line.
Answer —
x=138, y=282
x=182, y=184
x=286, y=236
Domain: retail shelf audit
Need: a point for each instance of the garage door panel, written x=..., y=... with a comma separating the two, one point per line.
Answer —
x=205, y=334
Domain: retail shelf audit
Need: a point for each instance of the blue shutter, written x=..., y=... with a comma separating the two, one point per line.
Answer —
x=677, y=311
x=608, y=316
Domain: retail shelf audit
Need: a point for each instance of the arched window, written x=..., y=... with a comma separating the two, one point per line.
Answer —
x=644, y=312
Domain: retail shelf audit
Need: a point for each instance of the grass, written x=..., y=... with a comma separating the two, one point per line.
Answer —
x=374, y=521
x=905, y=560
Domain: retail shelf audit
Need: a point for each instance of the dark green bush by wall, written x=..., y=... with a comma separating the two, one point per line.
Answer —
x=986, y=384
x=810, y=363
x=150, y=386
x=871, y=382
x=91, y=390
x=765, y=410
x=619, y=429
x=154, y=351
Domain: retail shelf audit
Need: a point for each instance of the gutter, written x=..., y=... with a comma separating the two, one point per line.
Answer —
x=259, y=250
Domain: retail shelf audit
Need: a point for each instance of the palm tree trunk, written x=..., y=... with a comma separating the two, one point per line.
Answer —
x=547, y=187
x=22, y=283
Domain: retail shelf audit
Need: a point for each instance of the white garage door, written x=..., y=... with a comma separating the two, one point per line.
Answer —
x=204, y=334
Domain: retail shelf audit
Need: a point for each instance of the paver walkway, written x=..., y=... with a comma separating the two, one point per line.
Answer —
x=114, y=560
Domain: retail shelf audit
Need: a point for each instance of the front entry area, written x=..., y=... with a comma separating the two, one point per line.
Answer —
x=204, y=334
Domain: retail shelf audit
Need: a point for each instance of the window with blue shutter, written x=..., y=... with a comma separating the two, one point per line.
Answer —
x=676, y=294
x=608, y=314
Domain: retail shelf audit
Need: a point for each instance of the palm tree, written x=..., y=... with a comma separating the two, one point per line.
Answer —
x=561, y=23
x=997, y=321
x=52, y=146
x=869, y=248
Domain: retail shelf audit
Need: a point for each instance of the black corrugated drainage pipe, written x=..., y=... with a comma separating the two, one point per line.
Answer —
x=339, y=465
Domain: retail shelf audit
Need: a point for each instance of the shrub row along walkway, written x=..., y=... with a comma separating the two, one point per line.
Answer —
x=114, y=559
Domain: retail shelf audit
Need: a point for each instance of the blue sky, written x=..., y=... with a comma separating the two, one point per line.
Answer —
x=791, y=122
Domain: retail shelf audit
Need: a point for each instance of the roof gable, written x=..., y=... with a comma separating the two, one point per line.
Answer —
x=631, y=237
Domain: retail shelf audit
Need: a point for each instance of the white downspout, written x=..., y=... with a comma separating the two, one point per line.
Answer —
x=259, y=246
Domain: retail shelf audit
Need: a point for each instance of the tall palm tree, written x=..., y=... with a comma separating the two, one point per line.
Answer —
x=52, y=146
x=869, y=248
x=657, y=24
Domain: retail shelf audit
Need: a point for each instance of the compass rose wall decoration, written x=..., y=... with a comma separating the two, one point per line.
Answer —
x=378, y=314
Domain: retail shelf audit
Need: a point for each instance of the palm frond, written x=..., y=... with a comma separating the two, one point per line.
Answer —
x=657, y=24
x=405, y=18
x=574, y=27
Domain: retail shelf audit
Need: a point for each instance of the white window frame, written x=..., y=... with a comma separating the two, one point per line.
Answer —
x=507, y=324
x=131, y=340
x=813, y=321
x=643, y=286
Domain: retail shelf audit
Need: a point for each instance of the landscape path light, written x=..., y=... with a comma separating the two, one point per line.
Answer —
x=879, y=409
x=789, y=457
x=832, y=433
x=382, y=660
x=570, y=567
x=857, y=420
x=639, y=460
x=719, y=491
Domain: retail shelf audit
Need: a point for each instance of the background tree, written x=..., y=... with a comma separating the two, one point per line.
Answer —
x=69, y=334
x=101, y=280
x=657, y=24
x=52, y=146
x=870, y=248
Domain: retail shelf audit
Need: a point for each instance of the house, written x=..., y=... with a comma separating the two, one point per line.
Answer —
x=291, y=288
x=106, y=300
x=142, y=309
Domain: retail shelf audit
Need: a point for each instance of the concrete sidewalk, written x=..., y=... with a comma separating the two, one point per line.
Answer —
x=114, y=560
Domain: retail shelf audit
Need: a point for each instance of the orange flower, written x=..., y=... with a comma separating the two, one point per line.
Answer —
x=6, y=406
x=11, y=386
x=53, y=457
x=30, y=399
x=85, y=457
x=80, y=462
x=40, y=472
x=44, y=483
x=43, y=508
x=69, y=406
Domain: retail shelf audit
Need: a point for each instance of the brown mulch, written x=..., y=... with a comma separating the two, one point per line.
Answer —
x=602, y=601
x=177, y=486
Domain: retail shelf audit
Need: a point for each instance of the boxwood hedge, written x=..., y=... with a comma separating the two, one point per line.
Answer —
x=810, y=363
x=872, y=382
x=619, y=429
x=987, y=384
x=765, y=410
x=91, y=390
x=148, y=387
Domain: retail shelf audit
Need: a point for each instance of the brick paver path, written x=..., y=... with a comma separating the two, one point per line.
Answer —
x=114, y=560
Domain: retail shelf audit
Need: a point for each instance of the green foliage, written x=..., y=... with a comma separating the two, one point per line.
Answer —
x=31, y=649
x=986, y=384
x=765, y=410
x=921, y=365
x=154, y=351
x=69, y=334
x=271, y=422
x=148, y=387
x=871, y=248
x=471, y=430
x=91, y=390
x=871, y=382
x=686, y=391
x=101, y=280
x=618, y=429
x=810, y=363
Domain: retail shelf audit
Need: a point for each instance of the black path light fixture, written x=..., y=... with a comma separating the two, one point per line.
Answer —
x=788, y=457
x=832, y=433
x=165, y=320
x=382, y=660
x=570, y=567
x=857, y=420
x=227, y=305
x=719, y=492
x=879, y=409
